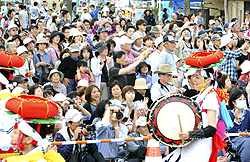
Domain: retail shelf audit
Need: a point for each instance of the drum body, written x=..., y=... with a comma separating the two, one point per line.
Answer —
x=164, y=123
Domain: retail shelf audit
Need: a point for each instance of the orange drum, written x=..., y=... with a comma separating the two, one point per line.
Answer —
x=10, y=60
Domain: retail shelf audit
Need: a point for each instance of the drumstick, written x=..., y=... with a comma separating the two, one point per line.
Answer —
x=179, y=117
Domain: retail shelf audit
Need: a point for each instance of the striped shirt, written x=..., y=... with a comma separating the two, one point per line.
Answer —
x=105, y=131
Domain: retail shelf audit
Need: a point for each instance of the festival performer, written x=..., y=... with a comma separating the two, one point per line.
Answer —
x=31, y=128
x=208, y=139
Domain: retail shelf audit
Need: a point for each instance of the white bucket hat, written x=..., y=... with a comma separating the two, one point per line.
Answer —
x=225, y=40
x=55, y=71
x=21, y=49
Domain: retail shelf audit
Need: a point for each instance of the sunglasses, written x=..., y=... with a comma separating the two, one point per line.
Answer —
x=144, y=24
x=14, y=29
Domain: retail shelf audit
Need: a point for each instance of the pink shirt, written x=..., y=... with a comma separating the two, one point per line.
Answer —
x=83, y=77
x=53, y=52
x=131, y=58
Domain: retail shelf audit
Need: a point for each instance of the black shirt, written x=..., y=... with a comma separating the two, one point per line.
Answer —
x=139, y=97
x=68, y=67
x=114, y=75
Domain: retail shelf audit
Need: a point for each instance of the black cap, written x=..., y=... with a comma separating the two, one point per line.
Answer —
x=54, y=33
x=168, y=38
x=50, y=87
x=33, y=26
x=20, y=78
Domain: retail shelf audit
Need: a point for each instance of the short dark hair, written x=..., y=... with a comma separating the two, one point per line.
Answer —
x=234, y=95
x=100, y=109
x=89, y=91
x=81, y=63
x=73, y=94
x=54, y=4
x=10, y=11
x=92, y=6
x=108, y=3
x=2, y=46
x=35, y=3
x=118, y=54
x=234, y=19
x=221, y=79
x=33, y=88
x=217, y=19
x=8, y=3
x=116, y=82
x=64, y=12
x=183, y=17
x=65, y=28
x=84, y=21
x=140, y=22
x=129, y=26
x=21, y=6
x=126, y=89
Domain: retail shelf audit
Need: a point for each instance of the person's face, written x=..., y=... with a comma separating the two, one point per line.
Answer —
x=142, y=27
x=67, y=33
x=41, y=25
x=42, y=46
x=24, y=55
x=122, y=61
x=200, y=13
x=85, y=10
x=35, y=31
x=85, y=54
x=119, y=13
x=236, y=28
x=198, y=81
x=2, y=50
x=170, y=46
x=141, y=91
x=235, y=41
x=138, y=42
x=78, y=100
x=8, y=7
x=12, y=15
x=74, y=125
x=126, y=47
x=112, y=47
x=104, y=52
x=160, y=47
x=55, y=78
x=130, y=32
x=56, y=39
x=130, y=95
x=144, y=69
x=95, y=94
x=228, y=84
x=230, y=44
x=157, y=35
x=13, y=49
x=123, y=23
x=178, y=64
x=13, y=31
x=115, y=20
x=242, y=97
x=38, y=92
x=15, y=138
x=74, y=54
x=148, y=12
x=44, y=5
x=193, y=17
x=198, y=41
x=247, y=46
x=23, y=85
x=17, y=41
x=179, y=10
x=103, y=36
x=78, y=39
x=217, y=42
x=149, y=43
x=165, y=79
x=31, y=45
x=87, y=25
x=83, y=69
x=116, y=91
x=144, y=130
x=185, y=20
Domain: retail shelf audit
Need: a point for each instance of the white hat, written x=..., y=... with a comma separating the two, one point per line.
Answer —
x=19, y=90
x=140, y=84
x=59, y=97
x=121, y=33
x=55, y=71
x=12, y=26
x=135, y=36
x=125, y=40
x=74, y=47
x=21, y=49
x=245, y=67
x=158, y=41
x=141, y=121
x=225, y=40
x=29, y=131
x=85, y=8
x=83, y=83
x=73, y=115
x=27, y=40
x=211, y=22
x=190, y=72
x=176, y=59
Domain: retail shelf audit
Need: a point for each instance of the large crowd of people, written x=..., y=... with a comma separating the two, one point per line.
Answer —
x=104, y=73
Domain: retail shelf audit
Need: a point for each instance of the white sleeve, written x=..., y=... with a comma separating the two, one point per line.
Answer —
x=155, y=93
x=211, y=102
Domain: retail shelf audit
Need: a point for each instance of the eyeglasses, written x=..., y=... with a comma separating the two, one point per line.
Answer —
x=144, y=24
x=14, y=29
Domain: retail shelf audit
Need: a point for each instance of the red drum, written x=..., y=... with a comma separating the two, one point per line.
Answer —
x=163, y=120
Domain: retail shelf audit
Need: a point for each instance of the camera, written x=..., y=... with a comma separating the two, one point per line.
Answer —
x=125, y=119
x=71, y=102
x=90, y=127
x=203, y=36
x=119, y=114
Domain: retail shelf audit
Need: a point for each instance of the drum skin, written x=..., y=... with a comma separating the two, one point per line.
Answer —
x=203, y=58
x=163, y=120
x=29, y=106
x=10, y=60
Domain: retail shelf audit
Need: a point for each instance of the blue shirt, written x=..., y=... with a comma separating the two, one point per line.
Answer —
x=148, y=78
x=166, y=57
x=94, y=14
x=44, y=58
x=104, y=131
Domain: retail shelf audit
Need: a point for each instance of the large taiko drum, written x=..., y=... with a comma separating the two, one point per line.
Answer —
x=165, y=116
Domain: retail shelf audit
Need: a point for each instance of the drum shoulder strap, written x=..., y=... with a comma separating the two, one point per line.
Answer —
x=198, y=103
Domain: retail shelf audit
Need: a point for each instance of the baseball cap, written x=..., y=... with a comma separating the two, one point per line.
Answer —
x=217, y=29
x=74, y=47
x=141, y=121
x=179, y=7
x=102, y=29
x=33, y=26
x=158, y=41
x=215, y=37
x=27, y=40
x=83, y=83
x=211, y=22
x=168, y=38
x=125, y=40
x=20, y=78
x=59, y=97
x=12, y=26
x=73, y=115
x=135, y=36
x=21, y=49
x=121, y=33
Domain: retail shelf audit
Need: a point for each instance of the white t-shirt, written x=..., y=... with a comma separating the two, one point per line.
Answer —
x=34, y=12
x=105, y=9
x=86, y=16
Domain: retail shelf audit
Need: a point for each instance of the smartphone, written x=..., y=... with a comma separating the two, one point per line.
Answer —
x=203, y=36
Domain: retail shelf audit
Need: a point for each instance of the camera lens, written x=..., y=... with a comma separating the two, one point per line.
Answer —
x=119, y=115
x=71, y=102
